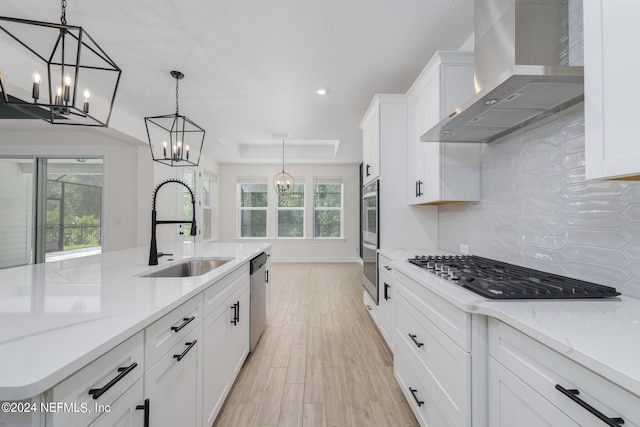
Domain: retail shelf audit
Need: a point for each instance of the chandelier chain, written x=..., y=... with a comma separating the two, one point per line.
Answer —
x=177, y=81
x=63, y=17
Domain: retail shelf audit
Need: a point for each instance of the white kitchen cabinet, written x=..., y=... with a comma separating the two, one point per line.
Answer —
x=173, y=386
x=98, y=385
x=439, y=349
x=267, y=273
x=441, y=172
x=611, y=89
x=371, y=144
x=525, y=381
x=386, y=299
x=225, y=339
x=127, y=411
x=371, y=307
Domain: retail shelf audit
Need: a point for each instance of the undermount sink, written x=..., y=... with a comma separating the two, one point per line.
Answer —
x=189, y=268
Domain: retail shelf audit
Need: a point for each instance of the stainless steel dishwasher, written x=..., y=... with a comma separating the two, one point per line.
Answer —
x=258, y=298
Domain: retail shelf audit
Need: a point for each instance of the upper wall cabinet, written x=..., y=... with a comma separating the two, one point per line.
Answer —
x=441, y=172
x=371, y=143
x=611, y=88
x=381, y=126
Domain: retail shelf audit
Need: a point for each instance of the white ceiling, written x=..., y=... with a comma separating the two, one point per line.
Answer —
x=252, y=66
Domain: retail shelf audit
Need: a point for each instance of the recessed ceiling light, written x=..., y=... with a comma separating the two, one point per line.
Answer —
x=322, y=91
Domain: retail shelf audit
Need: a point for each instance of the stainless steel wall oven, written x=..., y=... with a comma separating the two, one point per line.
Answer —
x=370, y=238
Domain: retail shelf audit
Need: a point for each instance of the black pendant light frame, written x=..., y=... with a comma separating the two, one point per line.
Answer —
x=65, y=61
x=179, y=129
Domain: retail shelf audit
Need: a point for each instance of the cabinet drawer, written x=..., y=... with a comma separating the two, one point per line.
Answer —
x=542, y=368
x=447, y=365
x=106, y=378
x=455, y=323
x=171, y=329
x=425, y=407
x=124, y=412
x=217, y=293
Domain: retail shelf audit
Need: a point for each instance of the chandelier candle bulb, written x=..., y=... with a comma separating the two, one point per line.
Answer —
x=164, y=149
x=85, y=101
x=187, y=148
x=58, y=100
x=35, y=91
x=67, y=88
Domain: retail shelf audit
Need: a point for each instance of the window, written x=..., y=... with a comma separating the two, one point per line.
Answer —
x=253, y=209
x=209, y=206
x=66, y=220
x=291, y=213
x=327, y=209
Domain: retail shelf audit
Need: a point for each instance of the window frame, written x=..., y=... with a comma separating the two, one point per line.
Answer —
x=239, y=184
x=328, y=181
x=303, y=209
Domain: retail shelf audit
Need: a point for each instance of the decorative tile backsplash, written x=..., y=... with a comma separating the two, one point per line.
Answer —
x=537, y=210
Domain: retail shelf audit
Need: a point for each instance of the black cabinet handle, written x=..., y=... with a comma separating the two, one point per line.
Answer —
x=414, y=393
x=413, y=338
x=97, y=392
x=185, y=322
x=267, y=273
x=386, y=292
x=386, y=267
x=367, y=169
x=184, y=353
x=573, y=395
x=234, y=319
x=419, y=188
x=238, y=312
x=145, y=407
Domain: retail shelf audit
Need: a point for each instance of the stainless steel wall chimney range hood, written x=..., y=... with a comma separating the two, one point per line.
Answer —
x=521, y=70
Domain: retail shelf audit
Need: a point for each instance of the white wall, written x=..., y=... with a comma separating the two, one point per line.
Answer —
x=120, y=174
x=307, y=249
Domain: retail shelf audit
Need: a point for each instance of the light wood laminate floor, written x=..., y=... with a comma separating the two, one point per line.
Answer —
x=321, y=361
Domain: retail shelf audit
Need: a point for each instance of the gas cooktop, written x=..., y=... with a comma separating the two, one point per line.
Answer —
x=500, y=280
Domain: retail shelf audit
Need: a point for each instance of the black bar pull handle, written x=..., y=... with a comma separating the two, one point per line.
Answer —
x=420, y=188
x=238, y=312
x=234, y=319
x=267, y=278
x=413, y=338
x=386, y=292
x=386, y=267
x=184, y=353
x=414, y=393
x=145, y=407
x=97, y=392
x=573, y=395
x=417, y=189
x=367, y=169
x=185, y=322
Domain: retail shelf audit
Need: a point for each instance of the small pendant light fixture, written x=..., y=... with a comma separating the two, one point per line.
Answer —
x=48, y=68
x=283, y=181
x=175, y=140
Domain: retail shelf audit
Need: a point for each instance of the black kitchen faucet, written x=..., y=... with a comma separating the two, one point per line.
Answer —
x=153, y=250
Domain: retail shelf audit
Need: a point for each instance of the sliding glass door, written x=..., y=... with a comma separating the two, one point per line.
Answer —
x=53, y=209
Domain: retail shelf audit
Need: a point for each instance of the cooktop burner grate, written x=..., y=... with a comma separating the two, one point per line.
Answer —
x=500, y=280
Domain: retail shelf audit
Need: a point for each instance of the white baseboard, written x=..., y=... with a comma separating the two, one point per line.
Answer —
x=315, y=259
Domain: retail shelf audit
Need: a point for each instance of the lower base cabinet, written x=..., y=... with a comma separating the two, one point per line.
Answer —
x=532, y=385
x=127, y=411
x=226, y=346
x=173, y=385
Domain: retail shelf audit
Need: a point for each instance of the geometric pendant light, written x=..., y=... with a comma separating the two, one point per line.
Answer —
x=175, y=140
x=56, y=72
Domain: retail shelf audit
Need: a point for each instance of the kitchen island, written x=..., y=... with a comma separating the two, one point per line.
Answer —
x=59, y=317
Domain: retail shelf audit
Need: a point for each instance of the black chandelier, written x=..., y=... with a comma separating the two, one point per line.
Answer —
x=175, y=140
x=56, y=72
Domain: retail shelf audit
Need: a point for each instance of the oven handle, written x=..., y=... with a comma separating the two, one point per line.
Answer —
x=370, y=246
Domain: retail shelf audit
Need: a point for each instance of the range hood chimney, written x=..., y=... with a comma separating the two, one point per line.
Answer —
x=522, y=71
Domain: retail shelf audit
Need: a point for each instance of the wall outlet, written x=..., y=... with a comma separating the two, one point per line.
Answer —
x=464, y=249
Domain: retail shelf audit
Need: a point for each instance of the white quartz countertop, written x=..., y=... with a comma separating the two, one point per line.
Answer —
x=57, y=317
x=603, y=334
